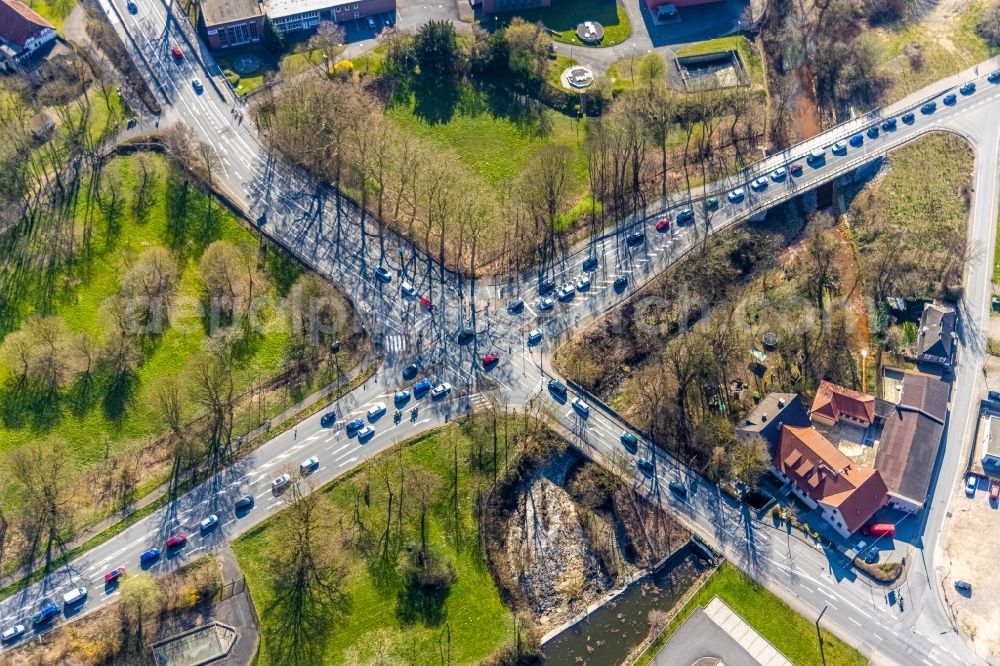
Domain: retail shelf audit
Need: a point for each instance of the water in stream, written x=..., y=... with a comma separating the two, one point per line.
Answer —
x=610, y=633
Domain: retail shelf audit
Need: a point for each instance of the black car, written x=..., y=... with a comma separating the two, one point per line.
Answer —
x=645, y=466
x=928, y=108
x=590, y=263
x=872, y=132
x=410, y=371
x=557, y=387
x=908, y=118
x=328, y=419
x=515, y=306
x=889, y=125
x=678, y=488
x=635, y=238
x=465, y=336
x=950, y=99
x=244, y=503
x=546, y=287
x=621, y=282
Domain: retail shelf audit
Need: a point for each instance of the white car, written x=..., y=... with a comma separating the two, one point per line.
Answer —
x=546, y=304
x=581, y=407
x=377, y=410
x=309, y=464
x=534, y=336
x=280, y=482
x=779, y=174
x=583, y=284
x=759, y=184
x=408, y=290
x=208, y=523
x=11, y=633
x=737, y=195
x=441, y=390
x=971, y=482
x=566, y=292
x=75, y=596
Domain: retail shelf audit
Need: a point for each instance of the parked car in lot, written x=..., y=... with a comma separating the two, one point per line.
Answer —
x=889, y=125
x=566, y=293
x=678, y=488
x=737, y=195
x=621, y=282
x=244, y=503
x=371, y=23
x=366, y=433
x=515, y=306
x=871, y=555
x=816, y=157
x=581, y=407
x=994, y=490
x=759, y=184
x=950, y=99
x=629, y=440
x=149, y=555
x=557, y=387
x=179, y=539
x=645, y=466
x=328, y=419
x=382, y=273
x=879, y=530
x=354, y=424
x=963, y=586
x=928, y=108
x=968, y=88
x=408, y=290
x=546, y=304
x=839, y=148
x=583, y=283
x=779, y=174
x=663, y=224
x=534, y=336
x=280, y=482
x=48, y=610
x=857, y=140
x=908, y=118
x=971, y=482
x=590, y=263
x=12, y=633
x=635, y=238
x=113, y=575
x=795, y=169
x=546, y=287
x=685, y=216
x=208, y=522
x=376, y=411
x=872, y=132
x=308, y=465
x=440, y=391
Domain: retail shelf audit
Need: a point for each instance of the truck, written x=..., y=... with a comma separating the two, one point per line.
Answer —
x=879, y=530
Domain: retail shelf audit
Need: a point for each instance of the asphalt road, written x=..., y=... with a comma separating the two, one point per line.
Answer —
x=338, y=241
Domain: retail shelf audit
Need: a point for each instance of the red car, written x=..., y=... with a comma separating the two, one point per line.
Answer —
x=176, y=53
x=663, y=224
x=994, y=490
x=114, y=575
x=490, y=359
x=177, y=540
x=795, y=169
x=426, y=303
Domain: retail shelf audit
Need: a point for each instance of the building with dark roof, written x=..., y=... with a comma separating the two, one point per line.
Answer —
x=936, y=337
x=911, y=437
x=227, y=23
x=22, y=33
x=846, y=494
x=768, y=416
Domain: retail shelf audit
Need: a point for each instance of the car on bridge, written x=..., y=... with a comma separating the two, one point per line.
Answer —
x=737, y=195
x=816, y=157
x=968, y=88
x=515, y=306
x=663, y=224
x=759, y=185
x=566, y=293
x=779, y=174
x=872, y=132
x=635, y=238
x=908, y=118
x=889, y=125
x=558, y=388
x=546, y=304
x=420, y=388
x=111, y=578
x=582, y=283
x=196, y=84
x=994, y=77
x=208, y=522
x=590, y=264
x=376, y=411
x=839, y=148
x=328, y=419
x=795, y=169
x=366, y=433
x=581, y=407
x=857, y=140
x=928, y=108
x=382, y=273
x=685, y=216
x=12, y=633
x=534, y=336
x=950, y=99
x=440, y=391
x=45, y=614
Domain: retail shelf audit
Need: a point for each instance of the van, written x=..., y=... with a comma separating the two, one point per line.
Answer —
x=75, y=596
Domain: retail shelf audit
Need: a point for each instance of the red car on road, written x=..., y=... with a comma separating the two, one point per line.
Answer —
x=176, y=53
x=426, y=303
x=795, y=169
x=490, y=359
x=177, y=540
x=114, y=575
x=663, y=224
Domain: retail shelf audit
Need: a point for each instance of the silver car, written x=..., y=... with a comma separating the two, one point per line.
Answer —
x=280, y=482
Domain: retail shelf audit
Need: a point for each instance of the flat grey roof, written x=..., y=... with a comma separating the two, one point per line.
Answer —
x=216, y=12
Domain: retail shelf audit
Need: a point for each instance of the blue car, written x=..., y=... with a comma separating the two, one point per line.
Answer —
x=685, y=216
x=928, y=108
x=590, y=264
x=354, y=424
x=48, y=611
x=382, y=274
x=149, y=556
x=908, y=118
x=401, y=397
x=889, y=125
x=994, y=77
x=872, y=132
x=950, y=99
x=857, y=140
x=328, y=419
x=421, y=387
x=968, y=88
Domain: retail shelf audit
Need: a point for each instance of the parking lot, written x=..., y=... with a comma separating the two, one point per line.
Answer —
x=971, y=555
x=367, y=27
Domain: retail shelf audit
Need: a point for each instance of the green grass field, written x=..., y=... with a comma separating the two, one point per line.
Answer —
x=53, y=11
x=564, y=15
x=793, y=635
x=379, y=610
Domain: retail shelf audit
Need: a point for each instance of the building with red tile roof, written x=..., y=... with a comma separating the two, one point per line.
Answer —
x=835, y=404
x=846, y=494
x=22, y=32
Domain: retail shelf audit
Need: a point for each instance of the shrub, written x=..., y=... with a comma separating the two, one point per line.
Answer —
x=342, y=69
x=989, y=25
x=232, y=77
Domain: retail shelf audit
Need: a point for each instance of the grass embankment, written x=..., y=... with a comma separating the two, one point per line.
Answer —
x=384, y=617
x=53, y=11
x=564, y=16
x=790, y=633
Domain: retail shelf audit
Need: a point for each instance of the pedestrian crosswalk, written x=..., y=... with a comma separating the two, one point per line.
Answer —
x=396, y=343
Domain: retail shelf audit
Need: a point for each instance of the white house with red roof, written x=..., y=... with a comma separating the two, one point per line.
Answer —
x=22, y=33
